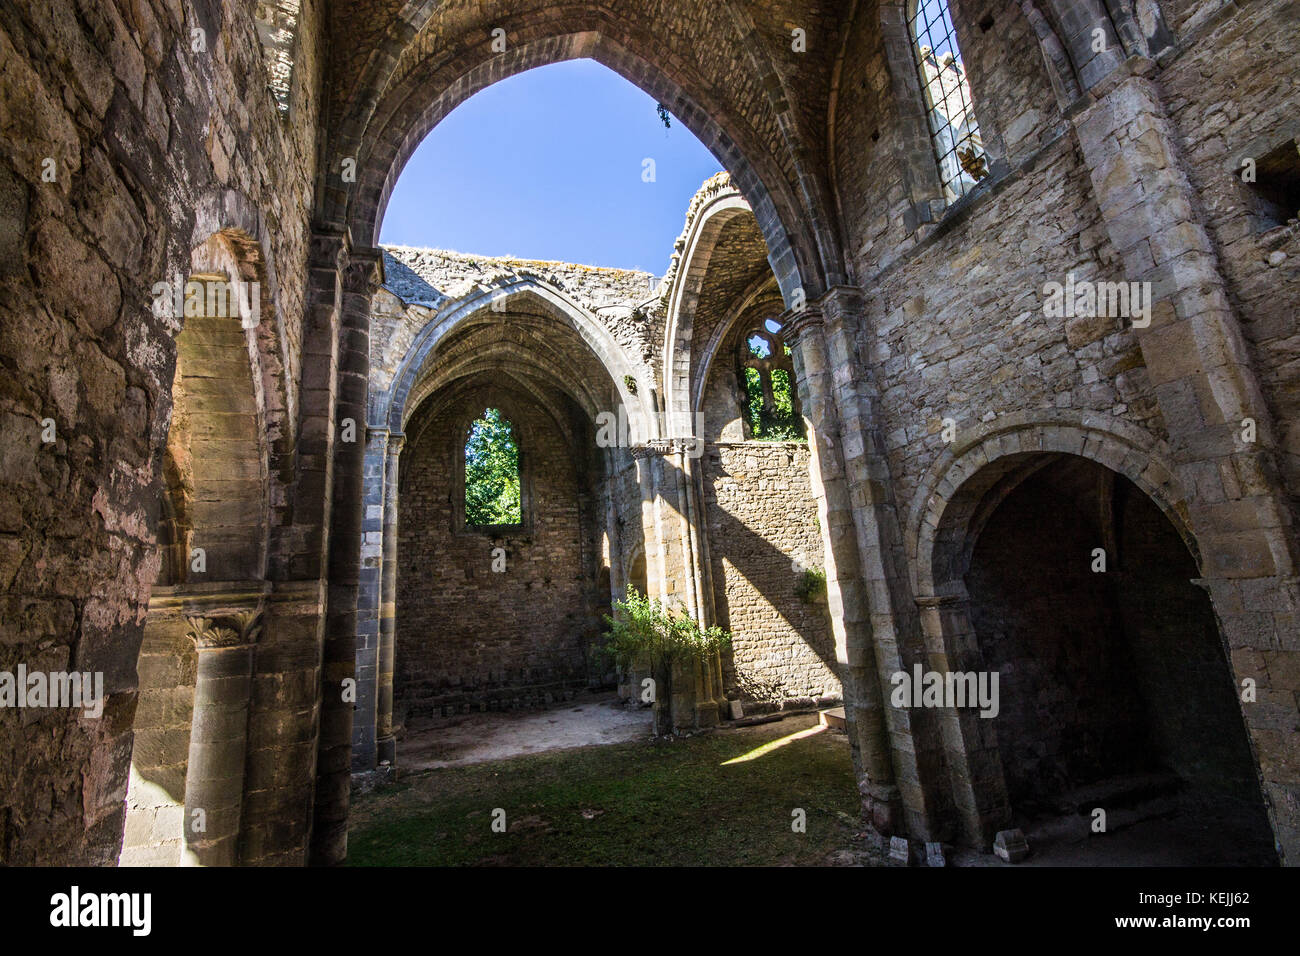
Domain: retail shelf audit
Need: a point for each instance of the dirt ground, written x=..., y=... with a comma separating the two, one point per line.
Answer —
x=433, y=742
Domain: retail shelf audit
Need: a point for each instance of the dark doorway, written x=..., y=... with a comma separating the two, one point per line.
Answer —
x=1115, y=690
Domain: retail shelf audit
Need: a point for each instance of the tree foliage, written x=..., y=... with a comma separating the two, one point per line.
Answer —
x=771, y=424
x=492, y=472
x=643, y=633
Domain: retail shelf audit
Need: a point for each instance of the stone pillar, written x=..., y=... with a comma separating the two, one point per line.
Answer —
x=695, y=694
x=864, y=705
x=691, y=530
x=895, y=627
x=369, y=598
x=712, y=694
x=648, y=527
x=339, y=660
x=386, y=744
x=973, y=760
x=214, y=780
x=709, y=703
x=285, y=720
x=1201, y=369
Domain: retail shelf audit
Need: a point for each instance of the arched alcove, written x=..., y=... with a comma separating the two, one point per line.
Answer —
x=1073, y=586
x=214, y=534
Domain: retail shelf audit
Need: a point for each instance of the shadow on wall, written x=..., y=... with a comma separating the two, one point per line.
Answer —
x=783, y=647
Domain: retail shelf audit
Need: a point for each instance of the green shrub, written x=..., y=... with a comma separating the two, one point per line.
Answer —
x=644, y=635
x=810, y=585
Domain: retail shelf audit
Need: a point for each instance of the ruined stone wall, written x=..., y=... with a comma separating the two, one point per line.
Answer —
x=469, y=636
x=1070, y=711
x=960, y=331
x=142, y=129
x=956, y=325
x=1228, y=95
x=885, y=166
x=133, y=129
x=1186, y=15
x=426, y=280
x=1086, y=179
x=762, y=528
x=956, y=320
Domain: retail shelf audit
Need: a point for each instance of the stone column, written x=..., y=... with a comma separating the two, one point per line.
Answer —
x=386, y=744
x=974, y=763
x=713, y=677
x=617, y=572
x=707, y=706
x=846, y=590
x=214, y=779
x=695, y=697
x=368, y=601
x=339, y=659
x=1201, y=369
x=895, y=628
x=285, y=719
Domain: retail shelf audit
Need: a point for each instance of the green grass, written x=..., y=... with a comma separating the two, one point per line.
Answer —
x=647, y=803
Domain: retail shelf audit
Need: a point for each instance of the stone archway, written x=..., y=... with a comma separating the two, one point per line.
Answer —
x=393, y=405
x=421, y=71
x=431, y=66
x=714, y=206
x=636, y=571
x=541, y=357
x=1115, y=693
x=1056, y=554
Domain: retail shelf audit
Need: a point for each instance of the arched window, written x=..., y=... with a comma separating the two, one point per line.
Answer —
x=767, y=376
x=492, y=472
x=958, y=147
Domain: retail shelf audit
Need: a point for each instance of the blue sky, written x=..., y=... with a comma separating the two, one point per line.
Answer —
x=547, y=165
x=933, y=16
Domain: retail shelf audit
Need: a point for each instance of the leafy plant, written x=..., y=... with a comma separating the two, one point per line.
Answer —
x=810, y=585
x=645, y=635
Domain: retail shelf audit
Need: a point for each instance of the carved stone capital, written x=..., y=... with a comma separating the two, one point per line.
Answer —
x=364, y=272
x=838, y=306
x=228, y=630
x=840, y=302
x=796, y=323
x=662, y=447
x=329, y=247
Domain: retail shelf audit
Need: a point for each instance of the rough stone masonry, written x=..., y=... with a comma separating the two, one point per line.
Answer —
x=246, y=518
